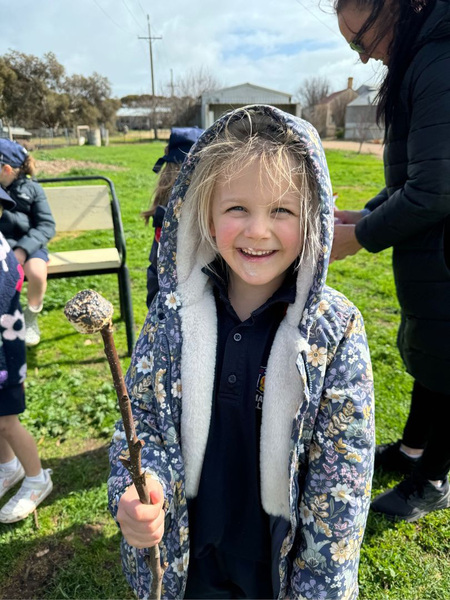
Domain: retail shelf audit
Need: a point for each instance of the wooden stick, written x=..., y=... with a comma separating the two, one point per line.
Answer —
x=89, y=312
x=133, y=464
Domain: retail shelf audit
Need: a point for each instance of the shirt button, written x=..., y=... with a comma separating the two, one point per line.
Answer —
x=232, y=378
x=237, y=337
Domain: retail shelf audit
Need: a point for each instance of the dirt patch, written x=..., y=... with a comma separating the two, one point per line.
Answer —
x=64, y=165
x=38, y=571
x=367, y=147
x=42, y=566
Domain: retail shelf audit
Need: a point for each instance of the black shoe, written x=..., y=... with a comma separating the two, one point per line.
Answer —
x=411, y=499
x=390, y=458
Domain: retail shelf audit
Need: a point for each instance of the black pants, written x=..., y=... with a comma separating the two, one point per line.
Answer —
x=222, y=575
x=427, y=427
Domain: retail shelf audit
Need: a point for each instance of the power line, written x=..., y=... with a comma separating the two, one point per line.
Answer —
x=316, y=17
x=140, y=6
x=131, y=13
x=109, y=17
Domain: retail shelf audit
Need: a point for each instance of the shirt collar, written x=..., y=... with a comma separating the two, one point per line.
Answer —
x=217, y=272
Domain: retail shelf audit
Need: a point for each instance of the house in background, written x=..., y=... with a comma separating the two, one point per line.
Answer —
x=329, y=114
x=14, y=133
x=216, y=103
x=360, y=116
x=141, y=117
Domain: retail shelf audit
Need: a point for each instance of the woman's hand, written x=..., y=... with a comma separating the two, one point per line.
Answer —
x=345, y=242
x=142, y=525
x=348, y=217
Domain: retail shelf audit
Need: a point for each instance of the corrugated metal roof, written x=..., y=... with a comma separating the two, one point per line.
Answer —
x=141, y=111
x=246, y=93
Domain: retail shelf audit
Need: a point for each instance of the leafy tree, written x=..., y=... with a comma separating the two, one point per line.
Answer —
x=30, y=85
x=36, y=92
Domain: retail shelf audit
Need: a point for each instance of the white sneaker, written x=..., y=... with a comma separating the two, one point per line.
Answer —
x=8, y=478
x=27, y=499
x=32, y=332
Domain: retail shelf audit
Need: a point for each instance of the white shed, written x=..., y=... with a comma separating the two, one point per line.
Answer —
x=217, y=102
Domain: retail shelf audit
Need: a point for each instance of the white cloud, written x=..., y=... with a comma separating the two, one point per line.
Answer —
x=272, y=44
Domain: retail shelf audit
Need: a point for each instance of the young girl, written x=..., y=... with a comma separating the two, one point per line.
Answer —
x=27, y=228
x=251, y=380
x=168, y=167
x=18, y=451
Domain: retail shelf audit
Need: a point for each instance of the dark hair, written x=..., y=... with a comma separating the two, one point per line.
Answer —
x=409, y=17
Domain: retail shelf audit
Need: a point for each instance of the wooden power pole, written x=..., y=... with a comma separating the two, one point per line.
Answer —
x=150, y=38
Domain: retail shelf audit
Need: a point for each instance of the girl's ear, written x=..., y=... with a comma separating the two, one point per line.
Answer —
x=212, y=229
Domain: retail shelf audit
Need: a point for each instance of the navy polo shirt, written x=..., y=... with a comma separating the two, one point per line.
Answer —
x=227, y=513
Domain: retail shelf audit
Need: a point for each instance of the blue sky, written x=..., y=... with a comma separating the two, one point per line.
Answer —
x=275, y=44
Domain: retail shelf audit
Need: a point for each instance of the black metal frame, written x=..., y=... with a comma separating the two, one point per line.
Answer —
x=126, y=305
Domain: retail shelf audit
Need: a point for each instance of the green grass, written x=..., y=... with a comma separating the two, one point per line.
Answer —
x=71, y=409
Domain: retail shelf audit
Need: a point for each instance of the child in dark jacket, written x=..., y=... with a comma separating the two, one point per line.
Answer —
x=251, y=381
x=18, y=451
x=168, y=168
x=28, y=228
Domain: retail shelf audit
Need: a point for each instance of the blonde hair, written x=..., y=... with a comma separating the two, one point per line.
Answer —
x=161, y=194
x=248, y=137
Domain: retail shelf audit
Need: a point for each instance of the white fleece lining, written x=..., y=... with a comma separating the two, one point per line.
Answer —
x=199, y=328
x=283, y=396
x=198, y=353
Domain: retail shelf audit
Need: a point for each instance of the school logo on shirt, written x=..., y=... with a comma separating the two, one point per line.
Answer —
x=260, y=387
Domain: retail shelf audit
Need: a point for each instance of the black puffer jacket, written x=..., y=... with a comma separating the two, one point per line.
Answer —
x=412, y=213
x=30, y=225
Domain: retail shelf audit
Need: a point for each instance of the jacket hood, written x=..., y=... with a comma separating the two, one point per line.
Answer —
x=182, y=256
x=437, y=25
x=186, y=294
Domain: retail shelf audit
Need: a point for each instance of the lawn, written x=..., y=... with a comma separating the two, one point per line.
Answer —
x=73, y=552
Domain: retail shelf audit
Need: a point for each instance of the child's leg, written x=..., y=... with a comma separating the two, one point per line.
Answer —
x=36, y=273
x=6, y=452
x=37, y=484
x=21, y=443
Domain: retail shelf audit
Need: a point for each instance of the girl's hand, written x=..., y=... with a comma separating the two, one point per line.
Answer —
x=21, y=255
x=347, y=217
x=142, y=525
x=344, y=243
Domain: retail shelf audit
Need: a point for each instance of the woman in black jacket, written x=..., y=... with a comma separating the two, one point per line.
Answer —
x=411, y=214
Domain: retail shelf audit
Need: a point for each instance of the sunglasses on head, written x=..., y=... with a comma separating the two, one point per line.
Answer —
x=354, y=45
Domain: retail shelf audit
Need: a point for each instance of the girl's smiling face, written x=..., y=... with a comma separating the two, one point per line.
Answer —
x=256, y=226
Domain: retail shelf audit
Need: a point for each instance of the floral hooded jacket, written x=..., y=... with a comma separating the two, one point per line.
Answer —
x=317, y=433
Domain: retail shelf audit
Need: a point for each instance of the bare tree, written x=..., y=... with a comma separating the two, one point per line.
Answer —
x=188, y=90
x=312, y=90
x=196, y=82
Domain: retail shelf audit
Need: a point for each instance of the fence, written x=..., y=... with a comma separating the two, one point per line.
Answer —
x=42, y=139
